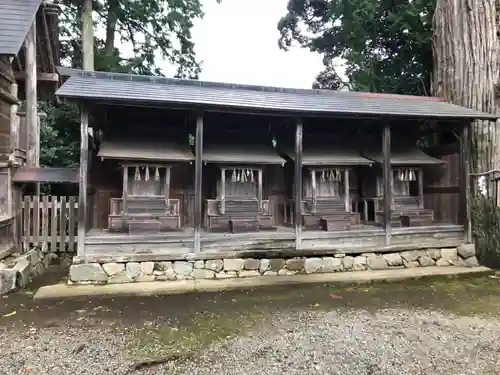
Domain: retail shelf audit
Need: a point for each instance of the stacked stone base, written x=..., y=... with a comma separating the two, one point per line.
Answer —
x=18, y=270
x=167, y=271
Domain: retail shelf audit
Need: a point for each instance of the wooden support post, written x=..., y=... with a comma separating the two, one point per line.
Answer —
x=347, y=197
x=465, y=182
x=167, y=182
x=87, y=36
x=14, y=122
x=259, y=188
x=125, y=189
x=313, y=188
x=198, y=170
x=298, y=184
x=82, y=195
x=387, y=178
x=32, y=123
x=223, y=191
x=420, y=182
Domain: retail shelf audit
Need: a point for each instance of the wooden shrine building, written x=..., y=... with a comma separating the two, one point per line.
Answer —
x=238, y=174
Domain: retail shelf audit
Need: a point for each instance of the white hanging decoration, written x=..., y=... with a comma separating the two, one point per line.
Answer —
x=238, y=176
x=252, y=179
x=137, y=175
x=243, y=176
x=401, y=175
x=338, y=175
x=146, y=174
x=233, y=176
x=157, y=174
x=322, y=175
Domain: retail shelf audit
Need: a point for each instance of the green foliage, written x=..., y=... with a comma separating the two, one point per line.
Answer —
x=152, y=28
x=59, y=135
x=386, y=44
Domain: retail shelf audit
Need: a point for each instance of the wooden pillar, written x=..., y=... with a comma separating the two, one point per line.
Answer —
x=298, y=184
x=465, y=181
x=198, y=170
x=347, y=197
x=32, y=124
x=223, y=191
x=420, y=182
x=82, y=195
x=125, y=189
x=259, y=188
x=313, y=188
x=167, y=182
x=387, y=178
x=14, y=122
x=87, y=36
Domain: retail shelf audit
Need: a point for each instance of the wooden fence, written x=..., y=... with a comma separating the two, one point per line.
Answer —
x=50, y=223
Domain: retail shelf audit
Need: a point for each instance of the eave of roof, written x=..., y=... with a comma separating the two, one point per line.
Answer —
x=123, y=88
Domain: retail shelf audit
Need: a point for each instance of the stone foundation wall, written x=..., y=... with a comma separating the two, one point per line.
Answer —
x=18, y=270
x=91, y=273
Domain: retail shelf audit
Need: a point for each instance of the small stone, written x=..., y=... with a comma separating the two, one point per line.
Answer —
x=348, y=263
x=233, y=264
x=251, y=264
x=23, y=270
x=270, y=273
x=7, y=281
x=444, y=262
x=121, y=278
x=264, y=265
x=145, y=278
x=199, y=264
x=158, y=273
x=285, y=272
x=113, y=268
x=162, y=266
x=471, y=262
x=249, y=273
x=376, y=262
x=412, y=264
x=331, y=264
x=433, y=253
x=448, y=253
x=147, y=268
x=409, y=256
x=232, y=273
x=202, y=274
x=87, y=272
x=214, y=265
x=426, y=261
x=466, y=250
x=393, y=259
x=133, y=269
x=183, y=268
x=312, y=265
x=170, y=274
x=359, y=263
x=297, y=264
x=339, y=255
x=277, y=264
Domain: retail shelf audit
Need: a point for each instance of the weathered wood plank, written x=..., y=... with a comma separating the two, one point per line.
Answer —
x=27, y=222
x=36, y=220
x=53, y=223
x=387, y=178
x=62, y=224
x=198, y=193
x=71, y=224
x=298, y=183
x=45, y=222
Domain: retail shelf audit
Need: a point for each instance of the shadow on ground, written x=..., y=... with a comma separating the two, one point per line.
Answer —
x=189, y=322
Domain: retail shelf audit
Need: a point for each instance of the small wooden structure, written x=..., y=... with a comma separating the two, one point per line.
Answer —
x=329, y=185
x=239, y=204
x=407, y=186
x=145, y=204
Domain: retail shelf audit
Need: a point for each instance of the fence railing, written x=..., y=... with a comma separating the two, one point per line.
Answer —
x=50, y=223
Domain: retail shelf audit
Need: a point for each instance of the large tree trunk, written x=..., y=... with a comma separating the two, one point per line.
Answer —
x=466, y=67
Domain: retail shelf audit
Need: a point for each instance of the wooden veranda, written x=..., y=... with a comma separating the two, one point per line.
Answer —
x=257, y=190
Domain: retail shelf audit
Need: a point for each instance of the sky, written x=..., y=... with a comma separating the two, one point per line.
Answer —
x=237, y=41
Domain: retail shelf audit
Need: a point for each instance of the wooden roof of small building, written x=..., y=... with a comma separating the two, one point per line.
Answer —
x=410, y=155
x=193, y=94
x=240, y=154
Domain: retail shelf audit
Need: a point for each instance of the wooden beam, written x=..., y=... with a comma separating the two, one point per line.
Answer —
x=347, y=197
x=167, y=181
x=87, y=36
x=82, y=197
x=125, y=189
x=313, y=188
x=465, y=181
x=420, y=182
x=32, y=132
x=298, y=184
x=198, y=170
x=259, y=188
x=223, y=191
x=387, y=178
x=40, y=77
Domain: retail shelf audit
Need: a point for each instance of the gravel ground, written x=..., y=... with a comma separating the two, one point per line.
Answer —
x=390, y=341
